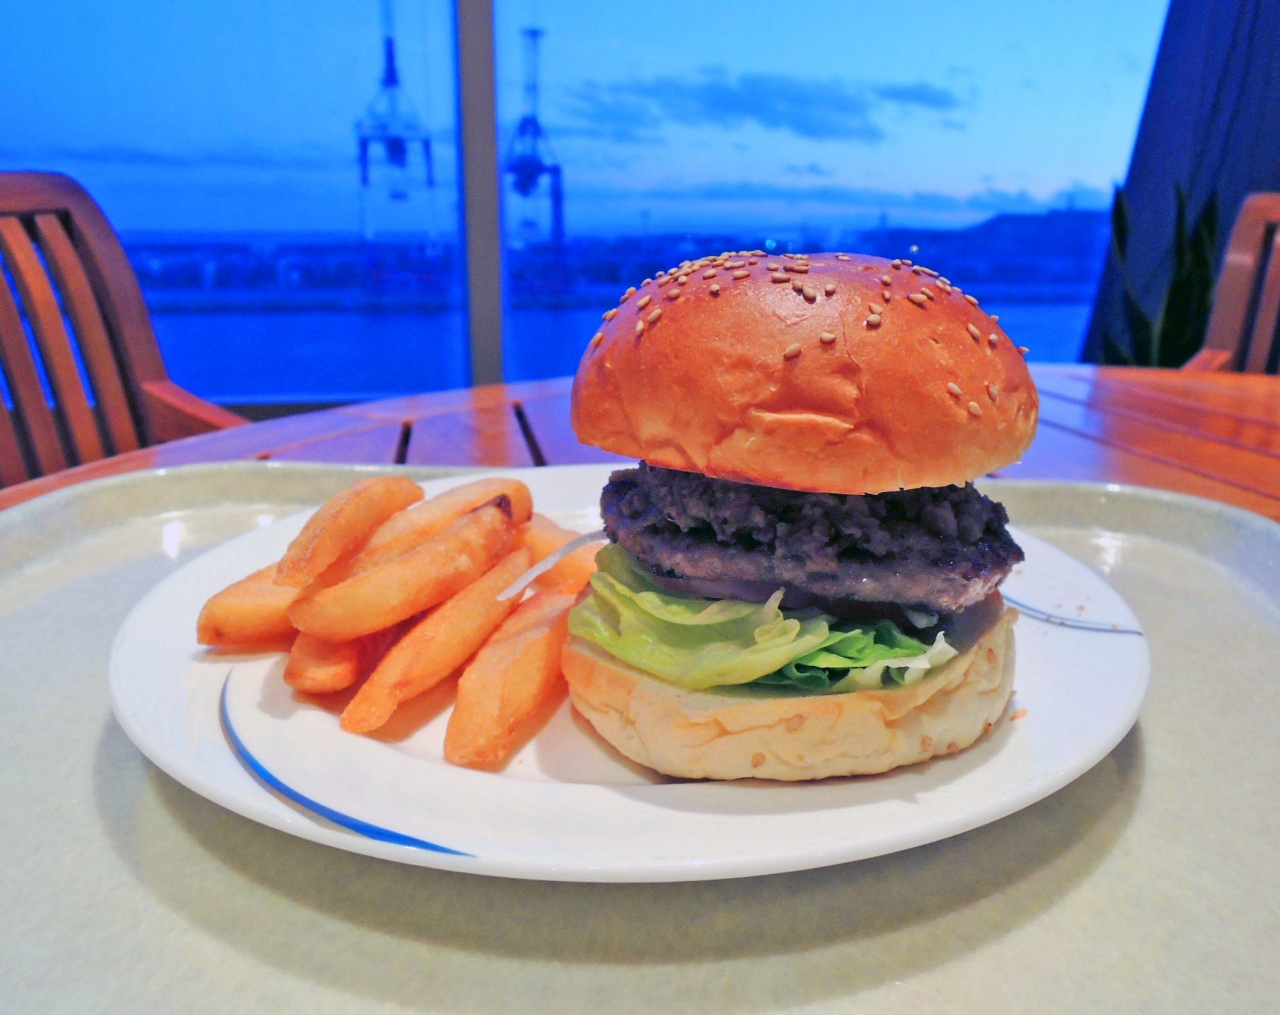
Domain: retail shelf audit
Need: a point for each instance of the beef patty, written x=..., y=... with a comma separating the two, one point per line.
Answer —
x=934, y=548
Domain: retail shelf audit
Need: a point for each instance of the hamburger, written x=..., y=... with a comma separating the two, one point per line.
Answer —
x=801, y=580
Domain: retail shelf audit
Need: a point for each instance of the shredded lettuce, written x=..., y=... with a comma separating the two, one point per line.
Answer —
x=701, y=643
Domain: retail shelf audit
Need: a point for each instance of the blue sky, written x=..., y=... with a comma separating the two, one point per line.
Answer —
x=238, y=115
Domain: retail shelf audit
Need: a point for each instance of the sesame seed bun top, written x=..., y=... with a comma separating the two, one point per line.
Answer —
x=833, y=373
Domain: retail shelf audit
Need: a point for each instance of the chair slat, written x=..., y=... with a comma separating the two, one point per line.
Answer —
x=25, y=387
x=51, y=335
x=1264, y=319
x=86, y=318
x=1235, y=286
x=13, y=469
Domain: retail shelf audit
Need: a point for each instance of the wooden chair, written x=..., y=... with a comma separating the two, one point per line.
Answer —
x=68, y=267
x=1246, y=303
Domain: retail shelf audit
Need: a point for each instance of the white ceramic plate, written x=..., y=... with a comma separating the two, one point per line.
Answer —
x=570, y=808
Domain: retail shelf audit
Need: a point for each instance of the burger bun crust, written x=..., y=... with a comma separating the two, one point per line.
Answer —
x=814, y=382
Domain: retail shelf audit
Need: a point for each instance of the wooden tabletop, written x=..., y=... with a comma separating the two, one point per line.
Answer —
x=1216, y=435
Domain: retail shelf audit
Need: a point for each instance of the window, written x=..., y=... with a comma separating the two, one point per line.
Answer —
x=982, y=139
x=223, y=142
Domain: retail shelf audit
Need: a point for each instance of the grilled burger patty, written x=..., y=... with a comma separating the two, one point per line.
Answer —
x=933, y=548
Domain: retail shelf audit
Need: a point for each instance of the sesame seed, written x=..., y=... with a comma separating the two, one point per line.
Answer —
x=945, y=288
x=709, y=273
x=797, y=285
x=734, y=264
x=918, y=299
x=643, y=302
x=954, y=388
x=759, y=253
x=653, y=317
x=896, y=263
x=886, y=279
x=875, y=308
x=993, y=391
x=973, y=330
x=971, y=299
x=753, y=260
x=609, y=315
x=927, y=271
x=673, y=294
x=843, y=257
x=645, y=282
x=791, y=351
x=906, y=263
x=628, y=294
x=772, y=266
x=1023, y=349
x=639, y=328
x=873, y=320
x=927, y=292
x=886, y=296
x=975, y=409
x=957, y=290
x=777, y=276
x=943, y=281
x=809, y=293
x=827, y=337
x=829, y=288
x=995, y=317
x=597, y=338
x=715, y=289
x=798, y=266
x=661, y=273
x=682, y=280
x=740, y=273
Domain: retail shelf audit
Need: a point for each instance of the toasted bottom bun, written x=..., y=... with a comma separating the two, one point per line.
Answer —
x=704, y=735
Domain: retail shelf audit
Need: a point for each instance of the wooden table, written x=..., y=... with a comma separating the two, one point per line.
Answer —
x=1211, y=434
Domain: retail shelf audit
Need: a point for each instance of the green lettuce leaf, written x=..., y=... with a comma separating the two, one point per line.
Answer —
x=701, y=643
x=694, y=643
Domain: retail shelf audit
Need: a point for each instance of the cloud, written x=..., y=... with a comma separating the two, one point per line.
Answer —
x=921, y=93
x=829, y=109
x=812, y=169
x=311, y=158
x=836, y=197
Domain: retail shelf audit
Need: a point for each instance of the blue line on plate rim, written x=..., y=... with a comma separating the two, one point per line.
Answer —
x=346, y=821
x=1044, y=616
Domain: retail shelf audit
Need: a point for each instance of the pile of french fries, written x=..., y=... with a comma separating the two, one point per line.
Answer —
x=384, y=587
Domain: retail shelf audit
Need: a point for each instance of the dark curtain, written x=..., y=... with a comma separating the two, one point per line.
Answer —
x=1211, y=124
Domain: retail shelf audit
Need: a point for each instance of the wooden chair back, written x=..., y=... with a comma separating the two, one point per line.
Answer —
x=82, y=372
x=1246, y=303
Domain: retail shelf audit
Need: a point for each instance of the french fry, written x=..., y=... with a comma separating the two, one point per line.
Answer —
x=543, y=537
x=415, y=525
x=408, y=584
x=513, y=674
x=342, y=526
x=250, y=612
x=323, y=667
x=435, y=647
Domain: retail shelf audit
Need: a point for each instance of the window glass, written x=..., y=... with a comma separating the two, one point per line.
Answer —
x=222, y=141
x=979, y=138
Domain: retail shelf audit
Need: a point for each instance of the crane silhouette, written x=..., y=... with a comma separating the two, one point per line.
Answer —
x=530, y=156
x=389, y=120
